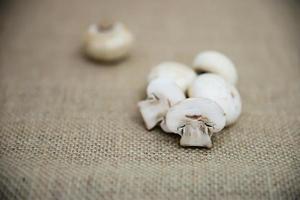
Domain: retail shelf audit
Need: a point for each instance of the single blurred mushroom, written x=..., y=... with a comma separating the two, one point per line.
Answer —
x=108, y=41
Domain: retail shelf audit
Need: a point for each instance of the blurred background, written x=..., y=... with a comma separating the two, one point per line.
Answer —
x=70, y=128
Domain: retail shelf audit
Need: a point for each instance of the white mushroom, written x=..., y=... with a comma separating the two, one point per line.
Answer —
x=214, y=87
x=162, y=93
x=195, y=119
x=180, y=73
x=218, y=63
x=108, y=42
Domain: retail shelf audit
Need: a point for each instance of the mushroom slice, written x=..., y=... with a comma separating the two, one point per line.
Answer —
x=108, y=42
x=162, y=93
x=180, y=73
x=214, y=87
x=195, y=119
x=218, y=63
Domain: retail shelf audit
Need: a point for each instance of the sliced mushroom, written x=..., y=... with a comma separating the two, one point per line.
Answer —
x=162, y=93
x=108, y=42
x=195, y=119
x=180, y=73
x=214, y=87
x=218, y=63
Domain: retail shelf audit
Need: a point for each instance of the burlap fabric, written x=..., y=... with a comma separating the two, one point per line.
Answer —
x=70, y=128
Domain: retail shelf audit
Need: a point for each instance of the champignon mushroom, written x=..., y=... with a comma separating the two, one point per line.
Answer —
x=108, y=42
x=218, y=63
x=162, y=93
x=180, y=73
x=195, y=119
x=214, y=87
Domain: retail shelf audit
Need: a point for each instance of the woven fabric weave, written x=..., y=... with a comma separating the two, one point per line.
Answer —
x=70, y=128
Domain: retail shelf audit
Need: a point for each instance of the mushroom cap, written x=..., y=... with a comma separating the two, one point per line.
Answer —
x=193, y=109
x=165, y=88
x=218, y=63
x=214, y=87
x=109, y=44
x=180, y=73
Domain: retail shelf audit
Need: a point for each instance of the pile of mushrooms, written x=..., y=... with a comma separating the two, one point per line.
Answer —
x=193, y=102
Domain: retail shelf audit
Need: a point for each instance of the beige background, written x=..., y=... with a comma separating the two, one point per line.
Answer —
x=70, y=128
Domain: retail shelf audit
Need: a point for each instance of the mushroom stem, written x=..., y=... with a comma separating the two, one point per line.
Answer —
x=153, y=111
x=195, y=133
